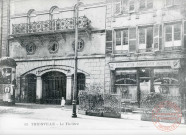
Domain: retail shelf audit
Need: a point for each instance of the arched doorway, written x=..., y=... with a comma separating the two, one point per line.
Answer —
x=54, y=87
x=30, y=85
x=80, y=83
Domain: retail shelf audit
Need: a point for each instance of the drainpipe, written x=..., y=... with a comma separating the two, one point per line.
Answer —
x=1, y=28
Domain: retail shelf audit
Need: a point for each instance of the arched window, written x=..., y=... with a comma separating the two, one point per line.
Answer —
x=31, y=16
x=54, y=13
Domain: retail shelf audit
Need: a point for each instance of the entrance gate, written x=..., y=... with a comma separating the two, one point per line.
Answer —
x=31, y=88
x=54, y=87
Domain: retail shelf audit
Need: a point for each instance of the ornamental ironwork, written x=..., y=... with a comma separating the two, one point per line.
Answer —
x=50, y=25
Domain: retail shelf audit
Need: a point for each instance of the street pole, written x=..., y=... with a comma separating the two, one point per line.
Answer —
x=74, y=114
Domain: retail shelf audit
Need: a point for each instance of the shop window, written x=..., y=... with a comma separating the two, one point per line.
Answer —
x=145, y=39
x=126, y=84
x=53, y=47
x=166, y=81
x=146, y=4
x=173, y=36
x=30, y=48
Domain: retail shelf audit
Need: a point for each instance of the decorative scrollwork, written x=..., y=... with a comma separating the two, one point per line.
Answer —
x=50, y=25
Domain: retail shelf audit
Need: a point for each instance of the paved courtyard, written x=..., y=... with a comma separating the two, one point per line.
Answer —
x=51, y=119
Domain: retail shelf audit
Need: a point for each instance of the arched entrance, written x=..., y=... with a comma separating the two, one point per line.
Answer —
x=54, y=87
x=30, y=85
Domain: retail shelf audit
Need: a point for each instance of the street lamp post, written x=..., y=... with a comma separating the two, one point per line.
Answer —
x=74, y=114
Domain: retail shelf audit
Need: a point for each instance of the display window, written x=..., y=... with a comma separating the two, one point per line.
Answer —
x=166, y=81
x=126, y=84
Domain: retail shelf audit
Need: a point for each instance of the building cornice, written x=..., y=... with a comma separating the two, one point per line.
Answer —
x=59, y=58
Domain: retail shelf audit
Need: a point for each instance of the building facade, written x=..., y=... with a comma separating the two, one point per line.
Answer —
x=145, y=47
x=42, y=43
x=127, y=47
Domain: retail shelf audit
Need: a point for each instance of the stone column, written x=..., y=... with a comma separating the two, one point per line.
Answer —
x=69, y=90
x=38, y=90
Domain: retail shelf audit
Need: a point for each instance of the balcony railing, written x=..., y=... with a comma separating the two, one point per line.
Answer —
x=50, y=25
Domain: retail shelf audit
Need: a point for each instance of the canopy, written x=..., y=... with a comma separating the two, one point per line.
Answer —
x=6, y=61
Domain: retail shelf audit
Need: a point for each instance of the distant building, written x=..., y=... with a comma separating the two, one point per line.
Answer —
x=145, y=48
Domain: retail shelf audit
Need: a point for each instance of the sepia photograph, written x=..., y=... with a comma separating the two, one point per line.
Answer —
x=92, y=67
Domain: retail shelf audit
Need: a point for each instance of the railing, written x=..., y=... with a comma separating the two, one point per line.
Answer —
x=50, y=25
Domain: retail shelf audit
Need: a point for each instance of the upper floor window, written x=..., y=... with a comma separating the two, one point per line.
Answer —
x=145, y=39
x=173, y=36
x=30, y=48
x=131, y=5
x=125, y=40
x=117, y=7
x=146, y=4
x=173, y=2
x=80, y=45
x=53, y=46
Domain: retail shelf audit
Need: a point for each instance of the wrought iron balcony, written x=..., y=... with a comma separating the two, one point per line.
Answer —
x=66, y=24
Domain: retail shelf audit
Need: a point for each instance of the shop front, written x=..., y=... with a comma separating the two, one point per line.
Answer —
x=134, y=80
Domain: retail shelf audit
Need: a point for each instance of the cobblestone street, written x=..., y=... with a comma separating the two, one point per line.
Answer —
x=51, y=119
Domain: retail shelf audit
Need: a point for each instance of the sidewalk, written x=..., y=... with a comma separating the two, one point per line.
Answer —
x=51, y=119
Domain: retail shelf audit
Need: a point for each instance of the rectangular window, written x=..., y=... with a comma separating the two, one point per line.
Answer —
x=125, y=40
x=122, y=40
x=131, y=5
x=149, y=4
x=142, y=4
x=117, y=7
x=146, y=4
x=145, y=39
x=173, y=2
x=173, y=36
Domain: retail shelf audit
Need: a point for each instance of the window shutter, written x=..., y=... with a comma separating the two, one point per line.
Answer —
x=156, y=38
x=132, y=40
x=109, y=41
x=160, y=37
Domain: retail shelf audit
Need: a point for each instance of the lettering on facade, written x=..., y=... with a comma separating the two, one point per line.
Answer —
x=51, y=68
x=175, y=64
